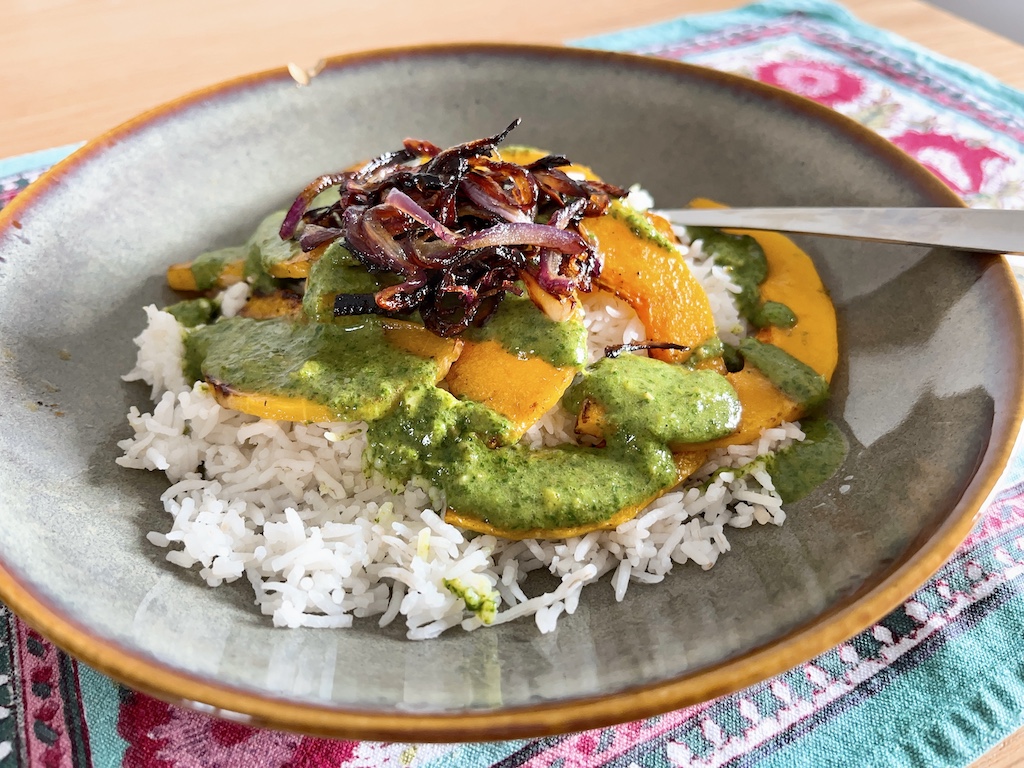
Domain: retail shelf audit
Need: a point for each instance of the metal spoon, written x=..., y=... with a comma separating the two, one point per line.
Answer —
x=972, y=229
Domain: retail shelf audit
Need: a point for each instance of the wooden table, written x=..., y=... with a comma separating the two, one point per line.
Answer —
x=71, y=69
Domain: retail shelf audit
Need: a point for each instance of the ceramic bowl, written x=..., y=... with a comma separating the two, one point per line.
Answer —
x=928, y=393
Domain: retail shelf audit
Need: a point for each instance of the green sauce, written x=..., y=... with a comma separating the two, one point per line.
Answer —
x=799, y=469
x=526, y=332
x=272, y=249
x=802, y=467
x=709, y=350
x=193, y=312
x=254, y=272
x=513, y=487
x=648, y=406
x=338, y=271
x=207, y=267
x=349, y=367
x=775, y=313
x=640, y=225
x=796, y=380
x=744, y=259
x=483, y=604
x=648, y=400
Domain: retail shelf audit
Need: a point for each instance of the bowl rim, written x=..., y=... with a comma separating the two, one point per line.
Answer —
x=853, y=614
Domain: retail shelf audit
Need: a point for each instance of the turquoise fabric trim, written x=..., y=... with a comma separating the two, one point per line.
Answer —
x=947, y=710
x=100, y=699
x=969, y=78
x=475, y=753
x=44, y=158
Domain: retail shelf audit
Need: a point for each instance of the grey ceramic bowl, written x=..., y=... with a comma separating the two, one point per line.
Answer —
x=928, y=392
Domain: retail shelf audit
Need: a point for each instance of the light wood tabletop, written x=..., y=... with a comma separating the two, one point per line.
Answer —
x=71, y=69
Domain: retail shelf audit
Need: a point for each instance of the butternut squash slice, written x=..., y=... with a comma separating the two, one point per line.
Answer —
x=280, y=303
x=180, y=276
x=655, y=281
x=296, y=266
x=793, y=281
x=407, y=336
x=687, y=462
x=521, y=390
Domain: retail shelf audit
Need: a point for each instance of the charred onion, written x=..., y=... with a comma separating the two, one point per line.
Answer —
x=460, y=227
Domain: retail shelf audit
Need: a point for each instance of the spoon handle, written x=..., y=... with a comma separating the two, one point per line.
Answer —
x=972, y=229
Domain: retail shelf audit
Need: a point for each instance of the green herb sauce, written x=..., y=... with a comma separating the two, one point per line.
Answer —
x=799, y=469
x=648, y=406
x=272, y=249
x=709, y=350
x=648, y=400
x=260, y=280
x=775, y=313
x=207, y=267
x=347, y=366
x=744, y=259
x=193, y=312
x=483, y=603
x=640, y=225
x=526, y=332
x=338, y=271
x=795, y=379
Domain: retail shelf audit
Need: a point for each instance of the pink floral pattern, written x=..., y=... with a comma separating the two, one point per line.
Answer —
x=162, y=736
x=961, y=164
x=827, y=84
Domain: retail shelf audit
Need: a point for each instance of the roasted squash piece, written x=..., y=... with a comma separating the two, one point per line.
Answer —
x=280, y=303
x=792, y=280
x=687, y=462
x=287, y=260
x=520, y=382
x=217, y=269
x=521, y=390
x=652, y=277
x=416, y=339
x=296, y=266
x=279, y=407
x=764, y=407
x=407, y=336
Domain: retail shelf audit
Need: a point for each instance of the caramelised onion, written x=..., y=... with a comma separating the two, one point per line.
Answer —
x=314, y=188
x=314, y=235
x=460, y=227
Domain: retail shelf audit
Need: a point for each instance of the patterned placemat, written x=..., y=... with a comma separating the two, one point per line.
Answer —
x=936, y=683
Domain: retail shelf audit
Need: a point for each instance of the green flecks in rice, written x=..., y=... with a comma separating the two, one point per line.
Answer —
x=480, y=599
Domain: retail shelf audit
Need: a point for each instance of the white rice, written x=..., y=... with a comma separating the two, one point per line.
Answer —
x=288, y=507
